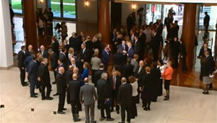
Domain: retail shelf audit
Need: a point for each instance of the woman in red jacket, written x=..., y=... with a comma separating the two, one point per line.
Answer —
x=167, y=75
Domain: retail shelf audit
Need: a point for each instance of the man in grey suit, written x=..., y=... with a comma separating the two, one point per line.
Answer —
x=88, y=97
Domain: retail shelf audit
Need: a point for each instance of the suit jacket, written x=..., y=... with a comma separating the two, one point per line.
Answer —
x=97, y=75
x=43, y=73
x=105, y=57
x=85, y=55
x=117, y=83
x=44, y=54
x=85, y=73
x=127, y=70
x=55, y=47
x=54, y=61
x=121, y=47
x=32, y=71
x=88, y=94
x=103, y=90
x=61, y=83
x=118, y=59
x=21, y=59
x=130, y=52
x=125, y=94
x=74, y=89
x=68, y=76
x=137, y=48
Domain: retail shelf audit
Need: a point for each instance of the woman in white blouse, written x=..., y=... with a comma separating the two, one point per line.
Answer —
x=161, y=66
x=134, y=84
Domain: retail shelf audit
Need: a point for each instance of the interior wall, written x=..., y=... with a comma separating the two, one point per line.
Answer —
x=87, y=17
x=6, y=50
x=126, y=10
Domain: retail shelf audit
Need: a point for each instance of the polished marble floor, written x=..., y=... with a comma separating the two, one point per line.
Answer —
x=187, y=105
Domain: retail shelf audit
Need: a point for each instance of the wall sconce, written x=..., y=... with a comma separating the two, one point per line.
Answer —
x=133, y=6
x=41, y=1
x=86, y=3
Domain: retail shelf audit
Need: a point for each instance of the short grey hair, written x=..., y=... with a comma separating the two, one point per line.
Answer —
x=103, y=75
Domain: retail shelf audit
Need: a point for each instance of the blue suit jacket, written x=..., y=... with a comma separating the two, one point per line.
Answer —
x=33, y=71
x=105, y=57
x=130, y=52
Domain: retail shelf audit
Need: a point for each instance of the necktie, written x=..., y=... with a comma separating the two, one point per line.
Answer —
x=114, y=83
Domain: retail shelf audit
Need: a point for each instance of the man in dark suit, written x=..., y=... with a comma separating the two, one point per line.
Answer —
x=105, y=56
x=21, y=59
x=124, y=99
x=88, y=96
x=155, y=45
x=44, y=78
x=55, y=45
x=137, y=47
x=127, y=69
x=104, y=97
x=43, y=51
x=63, y=57
x=115, y=82
x=85, y=54
x=74, y=89
x=54, y=62
x=206, y=22
x=29, y=51
x=32, y=75
x=118, y=60
x=98, y=73
x=61, y=89
x=130, y=51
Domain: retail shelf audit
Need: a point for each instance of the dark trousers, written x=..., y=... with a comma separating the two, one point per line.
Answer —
x=22, y=76
x=184, y=66
x=160, y=90
x=133, y=107
x=147, y=103
x=43, y=86
x=75, y=107
x=105, y=107
x=61, y=101
x=32, y=86
x=93, y=78
x=68, y=96
x=114, y=101
x=175, y=61
x=55, y=73
x=125, y=108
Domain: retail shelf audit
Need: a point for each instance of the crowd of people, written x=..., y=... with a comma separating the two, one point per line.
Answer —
x=140, y=65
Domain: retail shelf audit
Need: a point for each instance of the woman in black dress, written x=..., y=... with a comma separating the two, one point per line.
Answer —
x=146, y=89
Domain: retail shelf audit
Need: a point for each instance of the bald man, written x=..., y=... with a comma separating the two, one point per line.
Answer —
x=74, y=90
x=61, y=89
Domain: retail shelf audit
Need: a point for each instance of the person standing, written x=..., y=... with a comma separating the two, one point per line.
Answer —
x=115, y=82
x=61, y=89
x=167, y=75
x=134, y=84
x=104, y=97
x=147, y=89
x=206, y=23
x=74, y=89
x=105, y=56
x=95, y=63
x=125, y=99
x=207, y=68
x=44, y=78
x=21, y=59
x=88, y=96
x=32, y=75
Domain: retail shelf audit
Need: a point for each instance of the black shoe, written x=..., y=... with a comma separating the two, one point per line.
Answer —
x=25, y=84
x=101, y=119
x=49, y=98
x=43, y=98
x=56, y=94
x=145, y=109
x=148, y=108
x=77, y=120
x=110, y=119
x=54, y=82
x=34, y=96
x=64, y=108
x=61, y=112
x=165, y=99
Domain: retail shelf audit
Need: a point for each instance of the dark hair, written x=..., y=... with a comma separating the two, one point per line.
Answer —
x=22, y=47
